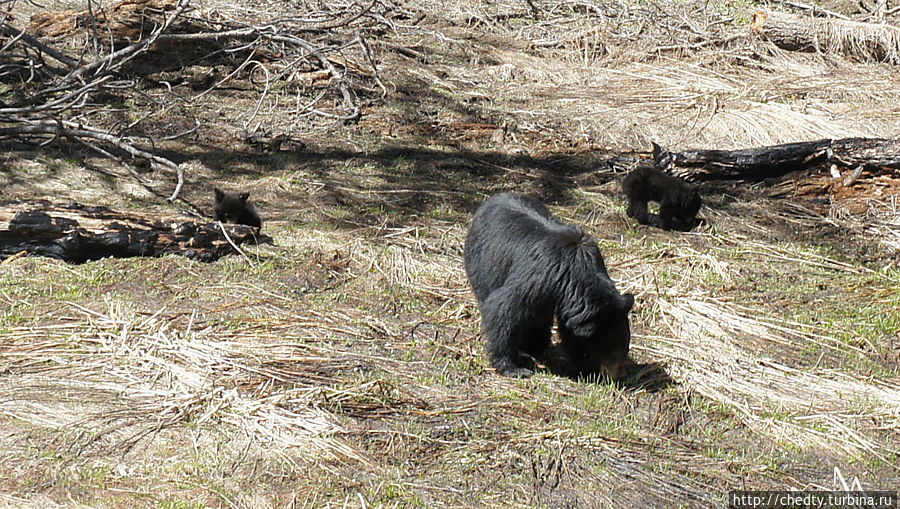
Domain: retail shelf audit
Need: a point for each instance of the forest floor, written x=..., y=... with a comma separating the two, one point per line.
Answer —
x=341, y=364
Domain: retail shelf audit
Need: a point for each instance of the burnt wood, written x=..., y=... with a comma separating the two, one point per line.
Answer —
x=77, y=233
x=876, y=154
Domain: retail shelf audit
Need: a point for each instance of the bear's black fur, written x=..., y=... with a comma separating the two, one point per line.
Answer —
x=527, y=267
x=679, y=201
x=234, y=208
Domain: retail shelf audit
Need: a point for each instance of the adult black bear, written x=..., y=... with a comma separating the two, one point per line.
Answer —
x=679, y=201
x=234, y=208
x=527, y=267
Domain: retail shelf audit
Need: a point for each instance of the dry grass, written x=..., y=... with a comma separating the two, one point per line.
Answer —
x=750, y=359
x=880, y=222
x=378, y=372
x=596, y=64
x=114, y=377
x=813, y=408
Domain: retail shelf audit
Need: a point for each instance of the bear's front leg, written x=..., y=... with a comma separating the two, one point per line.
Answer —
x=503, y=317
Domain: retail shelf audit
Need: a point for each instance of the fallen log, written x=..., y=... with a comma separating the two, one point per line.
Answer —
x=77, y=233
x=864, y=42
x=876, y=154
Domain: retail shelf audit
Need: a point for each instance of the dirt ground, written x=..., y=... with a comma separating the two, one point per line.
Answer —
x=342, y=364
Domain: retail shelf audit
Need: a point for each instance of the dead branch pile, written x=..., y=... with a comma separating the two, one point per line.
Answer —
x=69, y=75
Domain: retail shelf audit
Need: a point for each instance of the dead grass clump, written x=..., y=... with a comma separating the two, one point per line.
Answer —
x=865, y=42
x=114, y=378
x=811, y=407
x=880, y=221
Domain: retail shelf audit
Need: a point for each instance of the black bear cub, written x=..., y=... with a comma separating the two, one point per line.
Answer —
x=234, y=208
x=526, y=267
x=679, y=201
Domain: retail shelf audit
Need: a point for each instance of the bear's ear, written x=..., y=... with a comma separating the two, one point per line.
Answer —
x=244, y=196
x=584, y=323
x=627, y=302
x=219, y=194
x=582, y=329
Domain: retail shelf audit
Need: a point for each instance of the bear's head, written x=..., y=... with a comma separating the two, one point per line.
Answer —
x=228, y=207
x=598, y=338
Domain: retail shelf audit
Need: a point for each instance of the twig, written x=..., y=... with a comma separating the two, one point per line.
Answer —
x=49, y=110
x=235, y=246
x=298, y=110
x=31, y=41
x=179, y=172
x=11, y=42
x=95, y=35
x=326, y=63
x=343, y=22
x=368, y=53
x=53, y=104
x=813, y=8
x=228, y=77
x=67, y=128
x=703, y=44
x=262, y=96
x=182, y=133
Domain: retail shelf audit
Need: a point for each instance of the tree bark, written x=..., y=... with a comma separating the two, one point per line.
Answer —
x=78, y=233
x=753, y=163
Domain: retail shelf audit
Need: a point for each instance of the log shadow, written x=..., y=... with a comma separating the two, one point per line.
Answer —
x=410, y=182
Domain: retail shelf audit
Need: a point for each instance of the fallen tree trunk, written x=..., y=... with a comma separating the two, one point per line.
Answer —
x=77, y=233
x=865, y=42
x=776, y=160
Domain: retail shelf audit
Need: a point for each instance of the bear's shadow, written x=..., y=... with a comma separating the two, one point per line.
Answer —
x=650, y=377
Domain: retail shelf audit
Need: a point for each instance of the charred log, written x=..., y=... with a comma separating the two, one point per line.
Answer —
x=876, y=154
x=77, y=233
